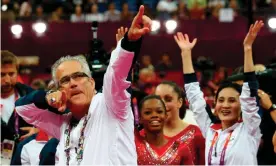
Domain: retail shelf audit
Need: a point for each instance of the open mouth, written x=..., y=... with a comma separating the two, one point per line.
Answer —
x=155, y=123
x=225, y=112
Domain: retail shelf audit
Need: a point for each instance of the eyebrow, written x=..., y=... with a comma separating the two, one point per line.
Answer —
x=147, y=108
x=69, y=75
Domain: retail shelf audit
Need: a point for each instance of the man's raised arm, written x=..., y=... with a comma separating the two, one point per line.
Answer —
x=115, y=80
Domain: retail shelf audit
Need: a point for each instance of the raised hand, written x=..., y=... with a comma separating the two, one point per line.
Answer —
x=183, y=41
x=252, y=33
x=120, y=33
x=57, y=99
x=141, y=25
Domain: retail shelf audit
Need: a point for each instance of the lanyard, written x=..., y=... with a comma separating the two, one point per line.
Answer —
x=223, y=150
x=16, y=118
x=79, y=150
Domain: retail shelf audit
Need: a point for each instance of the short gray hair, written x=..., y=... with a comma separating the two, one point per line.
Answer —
x=79, y=58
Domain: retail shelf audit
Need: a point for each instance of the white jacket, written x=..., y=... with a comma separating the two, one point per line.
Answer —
x=109, y=133
x=244, y=141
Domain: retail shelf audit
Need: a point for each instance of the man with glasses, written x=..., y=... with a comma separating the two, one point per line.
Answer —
x=13, y=127
x=99, y=129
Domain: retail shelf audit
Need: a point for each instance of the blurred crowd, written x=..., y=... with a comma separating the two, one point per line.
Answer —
x=116, y=10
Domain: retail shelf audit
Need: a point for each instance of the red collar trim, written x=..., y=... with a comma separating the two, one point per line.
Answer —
x=218, y=126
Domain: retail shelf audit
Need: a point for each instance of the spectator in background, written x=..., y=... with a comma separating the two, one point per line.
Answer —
x=39, y=15
x=126, y=15
x=112, y=14
x=11, y=90
x=197, y=9
x=57, y=15
x=146, y=62
x=94, y=15
x=77, y=16
x=182, y=11
x=215, y=11
x=165, y=8
x=219, y=77
x=165, y=64
x=38, y=84
x=25, y=10
x=88, y=4
x=233, y=4
x=147, y=80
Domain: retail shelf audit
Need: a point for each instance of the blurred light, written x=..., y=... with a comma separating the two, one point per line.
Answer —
x=155, y=25
x=272, y=23
x=17, y=30
x=39, y=27
x=171, y=25
x=4, y=8
x=97, y=66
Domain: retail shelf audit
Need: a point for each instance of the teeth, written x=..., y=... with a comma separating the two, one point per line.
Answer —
x=154, y=122
x=225, y=111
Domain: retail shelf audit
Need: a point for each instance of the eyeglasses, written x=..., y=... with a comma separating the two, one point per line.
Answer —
x=75, y=76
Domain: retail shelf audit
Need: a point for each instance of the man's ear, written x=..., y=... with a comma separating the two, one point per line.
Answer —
x=92, y=82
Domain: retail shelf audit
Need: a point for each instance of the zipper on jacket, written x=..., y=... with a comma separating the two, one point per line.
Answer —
x=216, y=146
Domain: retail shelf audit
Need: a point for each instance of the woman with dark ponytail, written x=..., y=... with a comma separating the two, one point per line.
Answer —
x=175, y=128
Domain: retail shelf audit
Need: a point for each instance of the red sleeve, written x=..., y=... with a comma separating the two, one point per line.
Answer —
x=200, y=147
x=186, y=158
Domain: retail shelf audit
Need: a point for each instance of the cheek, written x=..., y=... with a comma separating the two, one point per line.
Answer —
x=169, y=105
x=163, y=117
x=236, y=108
x=217, y=106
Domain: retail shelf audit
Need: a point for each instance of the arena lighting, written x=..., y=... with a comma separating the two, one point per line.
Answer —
x=272, y=23
x=171, y=26
x=155, y=25
x=4, y=8
x=17, y=30
x=39, y=27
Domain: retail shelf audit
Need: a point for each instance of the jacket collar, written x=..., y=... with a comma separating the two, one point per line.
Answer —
x=218, y=126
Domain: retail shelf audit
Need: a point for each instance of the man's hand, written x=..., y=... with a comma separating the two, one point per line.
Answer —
x=57, y=99
x=120, y=34
x=252, y=33
x=141, y=25
x=30, y=130
x=265, y=101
